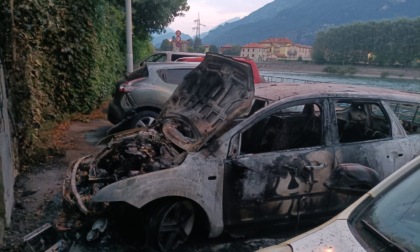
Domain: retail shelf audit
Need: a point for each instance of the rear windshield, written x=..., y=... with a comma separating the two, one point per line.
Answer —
x=174, y=57
x=173, y=76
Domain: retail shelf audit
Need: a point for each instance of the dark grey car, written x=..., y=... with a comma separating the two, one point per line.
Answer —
x=226, y=154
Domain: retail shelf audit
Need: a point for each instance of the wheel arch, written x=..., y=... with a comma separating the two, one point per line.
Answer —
x=141, y=192
x=147, y=108
x=202, y=218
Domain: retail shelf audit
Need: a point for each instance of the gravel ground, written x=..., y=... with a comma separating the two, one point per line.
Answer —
x=38, y=194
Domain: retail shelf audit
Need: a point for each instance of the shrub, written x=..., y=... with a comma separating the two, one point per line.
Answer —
x=384, y=74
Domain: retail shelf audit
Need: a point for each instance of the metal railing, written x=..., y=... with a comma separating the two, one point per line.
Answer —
x=278, y=79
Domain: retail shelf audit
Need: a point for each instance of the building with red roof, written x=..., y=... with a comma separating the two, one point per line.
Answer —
x=254, y=51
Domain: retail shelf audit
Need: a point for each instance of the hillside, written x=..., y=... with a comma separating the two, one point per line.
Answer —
x=299, y=20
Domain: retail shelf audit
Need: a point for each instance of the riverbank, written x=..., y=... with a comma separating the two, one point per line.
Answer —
x=412, y=73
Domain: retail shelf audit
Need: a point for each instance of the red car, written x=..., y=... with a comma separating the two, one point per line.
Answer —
x=255, y=72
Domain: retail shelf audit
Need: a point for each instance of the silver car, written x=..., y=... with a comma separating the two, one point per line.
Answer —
x=138, y=100
x=226, y=154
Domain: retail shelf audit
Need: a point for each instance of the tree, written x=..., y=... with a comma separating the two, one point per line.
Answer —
x=151, y=16
x=233, y=51
x=213, y=49
x=197, y=43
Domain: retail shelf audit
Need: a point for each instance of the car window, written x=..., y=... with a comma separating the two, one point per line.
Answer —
x=361, y=121
x=393, y=217
x=159, y=57
x=292, y=127
x=408, y=115
x=173, y=76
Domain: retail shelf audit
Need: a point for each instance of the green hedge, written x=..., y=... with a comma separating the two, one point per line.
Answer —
x=62, y=57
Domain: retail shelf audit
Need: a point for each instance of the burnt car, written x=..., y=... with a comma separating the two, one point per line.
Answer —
x=381, y=220
x=226, y=154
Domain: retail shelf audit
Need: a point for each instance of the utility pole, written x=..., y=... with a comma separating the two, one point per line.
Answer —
x=129, y=36
x=197, y=26
x=197, y=32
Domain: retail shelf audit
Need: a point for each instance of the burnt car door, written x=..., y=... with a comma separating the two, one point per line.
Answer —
x=369, y=134
x=276, y=166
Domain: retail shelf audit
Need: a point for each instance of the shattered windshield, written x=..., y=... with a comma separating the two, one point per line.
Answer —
x=394, y=218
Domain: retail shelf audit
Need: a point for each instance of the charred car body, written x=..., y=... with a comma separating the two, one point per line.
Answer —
x=224, y=155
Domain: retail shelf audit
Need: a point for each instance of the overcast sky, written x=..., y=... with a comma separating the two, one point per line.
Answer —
x=214, y=12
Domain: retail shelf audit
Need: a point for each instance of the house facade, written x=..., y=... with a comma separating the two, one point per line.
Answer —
x=254, y=51
x=276, y=49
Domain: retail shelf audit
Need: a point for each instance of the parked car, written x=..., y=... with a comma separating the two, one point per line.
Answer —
x=387, y=218
x=227, y=154
x=140, y=96
x=161, y=56
x=168, y=56
x=255, y=71
x=137, y=102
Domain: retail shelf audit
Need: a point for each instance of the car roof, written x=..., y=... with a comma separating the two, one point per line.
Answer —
x=279, y=91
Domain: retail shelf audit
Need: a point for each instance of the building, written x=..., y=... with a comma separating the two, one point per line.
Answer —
x=254, y=51
x=299, y=52
x=224, y=48
x=285, y=49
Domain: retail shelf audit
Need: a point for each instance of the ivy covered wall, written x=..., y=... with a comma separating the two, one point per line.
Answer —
x=61, y=57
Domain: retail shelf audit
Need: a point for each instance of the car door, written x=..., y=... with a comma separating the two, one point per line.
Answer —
x=368, y=134
x=282, y=162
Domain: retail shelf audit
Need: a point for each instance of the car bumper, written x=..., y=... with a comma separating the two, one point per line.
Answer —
x=115, y=113
x=71, y=195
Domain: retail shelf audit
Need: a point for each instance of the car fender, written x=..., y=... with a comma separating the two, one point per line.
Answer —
x=182, y=181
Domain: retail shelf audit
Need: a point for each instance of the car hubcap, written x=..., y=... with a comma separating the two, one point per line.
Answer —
x=176, y=225
x=146, y=122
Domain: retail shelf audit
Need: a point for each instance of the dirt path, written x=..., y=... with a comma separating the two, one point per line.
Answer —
x=38, y=195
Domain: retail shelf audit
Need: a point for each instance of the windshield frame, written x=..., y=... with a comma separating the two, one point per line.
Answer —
x=369, y=232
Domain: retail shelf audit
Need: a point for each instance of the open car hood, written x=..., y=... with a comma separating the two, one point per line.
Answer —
x=212, y=95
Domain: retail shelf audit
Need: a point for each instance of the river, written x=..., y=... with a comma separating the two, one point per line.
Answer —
x=410, y=85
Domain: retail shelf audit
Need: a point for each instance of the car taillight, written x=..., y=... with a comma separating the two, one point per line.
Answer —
x=125, y=88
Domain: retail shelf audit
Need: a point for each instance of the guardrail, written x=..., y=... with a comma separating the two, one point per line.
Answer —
x=277, y=79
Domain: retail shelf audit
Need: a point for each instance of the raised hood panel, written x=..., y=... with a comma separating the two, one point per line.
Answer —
x=219, y=90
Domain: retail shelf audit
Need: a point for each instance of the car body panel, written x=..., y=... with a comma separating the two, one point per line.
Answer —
x=255, y=72
x=336, y=234
x=147, y=90
x=168, y=56
x=223, y=169
x=200, y=185
x=210, y=97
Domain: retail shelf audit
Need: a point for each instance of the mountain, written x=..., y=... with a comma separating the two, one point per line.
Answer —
x=158, y=38
x=299, y=20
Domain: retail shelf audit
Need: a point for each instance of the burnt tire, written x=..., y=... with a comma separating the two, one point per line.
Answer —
x=145, y=118
x=171, y=224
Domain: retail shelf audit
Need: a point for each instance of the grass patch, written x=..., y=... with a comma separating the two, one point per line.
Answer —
x=384, y=74
x=350, y=70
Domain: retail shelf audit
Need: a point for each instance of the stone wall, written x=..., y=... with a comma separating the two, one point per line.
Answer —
x=6, y=159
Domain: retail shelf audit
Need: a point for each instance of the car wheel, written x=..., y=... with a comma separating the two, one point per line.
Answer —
x=144, y=119
x=171, y=224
